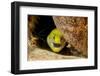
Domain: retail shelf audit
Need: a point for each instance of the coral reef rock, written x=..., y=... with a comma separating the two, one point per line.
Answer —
x=74, y=30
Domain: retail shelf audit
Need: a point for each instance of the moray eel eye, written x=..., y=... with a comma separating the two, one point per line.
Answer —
x=55, y=40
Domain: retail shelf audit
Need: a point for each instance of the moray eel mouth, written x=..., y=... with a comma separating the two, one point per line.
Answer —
x=56, y=45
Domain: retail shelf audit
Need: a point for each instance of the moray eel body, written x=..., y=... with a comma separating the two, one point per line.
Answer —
x=55, y=40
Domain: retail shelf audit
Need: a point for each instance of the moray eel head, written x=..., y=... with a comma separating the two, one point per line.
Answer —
x=55, y=40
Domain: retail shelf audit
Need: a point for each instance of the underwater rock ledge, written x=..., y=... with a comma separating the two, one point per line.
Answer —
x=75, y=31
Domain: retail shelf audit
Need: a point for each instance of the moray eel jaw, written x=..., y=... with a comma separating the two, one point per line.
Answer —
x=55, y=40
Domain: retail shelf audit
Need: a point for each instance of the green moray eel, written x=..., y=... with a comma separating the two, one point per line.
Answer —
x=55, y=40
